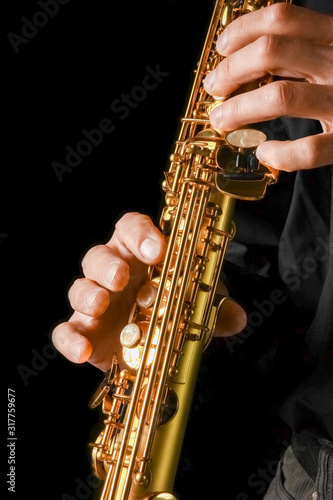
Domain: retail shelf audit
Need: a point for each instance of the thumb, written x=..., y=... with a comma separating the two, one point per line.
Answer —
x=231, y=318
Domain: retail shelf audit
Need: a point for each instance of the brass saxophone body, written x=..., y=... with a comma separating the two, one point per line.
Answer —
x=146, y=405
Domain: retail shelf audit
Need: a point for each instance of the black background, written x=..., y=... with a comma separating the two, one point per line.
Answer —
x=64, y=80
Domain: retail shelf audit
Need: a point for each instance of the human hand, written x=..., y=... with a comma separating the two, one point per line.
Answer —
x=103, y=299
x=286, y=41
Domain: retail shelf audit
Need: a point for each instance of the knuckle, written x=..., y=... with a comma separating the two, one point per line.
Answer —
x=233, y=109
x=128, y=224
x=226, y=68
x=129, y=218
x=277, y=15
x=282, y=96
x=311, y=151
x=89, y=322
x=76, y=287
x=90, y=257
x=269, y=49
x=79, y=283
x=124, y=218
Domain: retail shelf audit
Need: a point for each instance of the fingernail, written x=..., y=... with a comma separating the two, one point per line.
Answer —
x=110, y=273
x=90, y=297
x=97, y=300
x=232, y=318
x=215, y=116
x=261, y=153
x=75, y=351
x=221, y=43
x=150, y=249
x=210, y=81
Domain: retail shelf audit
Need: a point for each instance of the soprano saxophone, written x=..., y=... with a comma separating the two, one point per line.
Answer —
x=172, y=321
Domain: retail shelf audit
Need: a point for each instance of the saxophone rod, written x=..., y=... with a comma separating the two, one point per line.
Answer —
x=158, y=351
x=200, y=71
x=192, y=187
x=176, y=319
x=110, y=490
x=202, y=194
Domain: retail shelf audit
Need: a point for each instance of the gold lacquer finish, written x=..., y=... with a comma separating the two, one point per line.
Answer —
x=147, y=405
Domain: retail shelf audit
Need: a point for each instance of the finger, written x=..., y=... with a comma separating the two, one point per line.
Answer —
x=222, y=289
x=280, y=18
x=68, y=339
x=310, y=152
x=85, y=338
x=283, y=98
x=231, y=319
x=106, y=267
x=87, y=297
x=136, y=235
x=274, y=55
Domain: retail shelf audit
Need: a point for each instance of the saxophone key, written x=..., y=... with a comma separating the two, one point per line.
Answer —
x=199, y=268
x=147, y=295
x=205, y=287
x=162, y=496
x=141, y=479
x=214, y=246
x=130, y=335
x=173, y=372
x=175, y=158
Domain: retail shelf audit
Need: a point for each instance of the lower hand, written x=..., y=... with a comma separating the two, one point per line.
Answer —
x=103, y=298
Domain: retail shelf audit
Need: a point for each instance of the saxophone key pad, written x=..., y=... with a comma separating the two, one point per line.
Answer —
x=147, y=295
x=247, y=138
x=130, y=335
x=237, y=158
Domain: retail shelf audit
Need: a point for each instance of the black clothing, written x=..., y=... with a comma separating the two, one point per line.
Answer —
x=306, y=265
x=297, y=237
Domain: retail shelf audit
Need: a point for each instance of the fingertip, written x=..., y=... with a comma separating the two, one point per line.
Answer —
x=309, y=152
x=222, y=42
x=209, y=81
x=264, y=153
x=232, y=319
x=151, y=250
x=137, y=234
x=215, y=117
x=280, y=155
x=71, y=343
x=80, y=350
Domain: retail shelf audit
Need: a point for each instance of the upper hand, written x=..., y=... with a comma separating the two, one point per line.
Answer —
x=289, y=42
